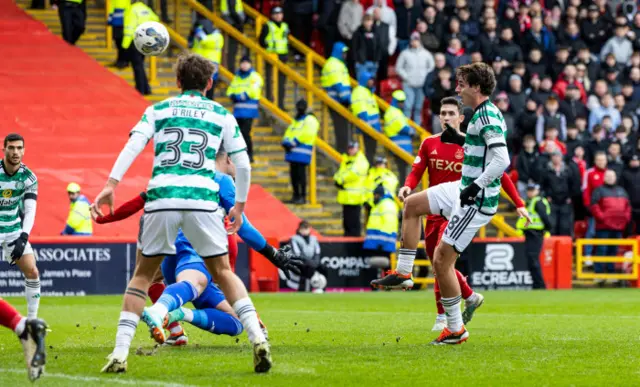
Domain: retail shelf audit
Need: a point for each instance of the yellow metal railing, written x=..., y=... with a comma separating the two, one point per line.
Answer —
x=313, y=58
x=634, y=260
x=292, y=75
x=277, y=112
x=108, y=29
x=418, y=262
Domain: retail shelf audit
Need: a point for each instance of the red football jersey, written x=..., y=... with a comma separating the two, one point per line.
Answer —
x=442, y=161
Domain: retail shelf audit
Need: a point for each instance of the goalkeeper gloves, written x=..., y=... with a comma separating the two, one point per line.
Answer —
x=19, y=246
x=283, y=259
x=468, y=195
x=451, y=136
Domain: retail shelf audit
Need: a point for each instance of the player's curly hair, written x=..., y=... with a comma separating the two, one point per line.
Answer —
x=193, y=72
x=478, y=74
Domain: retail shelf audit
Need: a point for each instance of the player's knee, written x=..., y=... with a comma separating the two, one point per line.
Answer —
x=31, y=272
x=442, y=259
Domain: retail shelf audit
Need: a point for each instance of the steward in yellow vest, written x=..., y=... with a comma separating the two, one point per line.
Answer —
x=274, y=35
x=382, y=226
x=365, y=107
x=298, y=142
x=79, y=219
x=117, y=9
x=335, y=75
x=135, y=15
x=379, y=174
x=396, y=125
x=208, y=42
x=534, y=233
x=350, y=180
x=274, y=39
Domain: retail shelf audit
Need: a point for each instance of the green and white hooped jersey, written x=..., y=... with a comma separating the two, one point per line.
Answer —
x=486, y=128
x=14, y=189
x=187, y=131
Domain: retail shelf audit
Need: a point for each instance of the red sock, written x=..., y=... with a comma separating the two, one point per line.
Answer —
x=155, y=291
x=233, y=251
x=9, y=316
x=436, y=291
x=464, y=286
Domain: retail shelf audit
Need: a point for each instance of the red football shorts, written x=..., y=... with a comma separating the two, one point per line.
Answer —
x=433, y=233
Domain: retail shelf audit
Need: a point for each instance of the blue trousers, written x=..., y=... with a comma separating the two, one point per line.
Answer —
x=606, y=251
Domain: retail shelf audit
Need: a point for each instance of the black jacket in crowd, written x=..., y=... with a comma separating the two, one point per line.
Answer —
x=616, y=165
x=526, y=166
x=630, y=181
x=572, y=144
x=592, y=147
x=560, y=186
x=407, y=19
x=367, y=45
x=526, y=123
x=595, y=35
x=509, y=51
x=486, y=44
x=573, y=109
x=539, y=68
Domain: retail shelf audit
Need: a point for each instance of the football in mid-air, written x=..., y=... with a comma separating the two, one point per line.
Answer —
x=151, y=38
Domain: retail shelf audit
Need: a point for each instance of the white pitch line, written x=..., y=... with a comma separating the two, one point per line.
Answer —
x=558, y=315
x=129, y=382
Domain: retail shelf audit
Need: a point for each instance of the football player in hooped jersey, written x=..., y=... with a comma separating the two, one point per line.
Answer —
x=187, y=131
x=444, y=163
x=469, y=203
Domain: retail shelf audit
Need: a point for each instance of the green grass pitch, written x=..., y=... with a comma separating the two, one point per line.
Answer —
x=580, y=337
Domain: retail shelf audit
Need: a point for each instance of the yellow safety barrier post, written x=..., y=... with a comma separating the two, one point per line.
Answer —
x=313, y=177
x=176, y=15
x=325, y=122
x=634, y=260
x=309, y=72
x=274, y=80
x=108, y=30
x=418, y=262
x=153, y=70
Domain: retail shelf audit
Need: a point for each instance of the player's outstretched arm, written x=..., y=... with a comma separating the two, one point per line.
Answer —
x=512, y=192
x=124, y=211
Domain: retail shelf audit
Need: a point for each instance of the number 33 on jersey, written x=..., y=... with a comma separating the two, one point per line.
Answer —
x=187, y=131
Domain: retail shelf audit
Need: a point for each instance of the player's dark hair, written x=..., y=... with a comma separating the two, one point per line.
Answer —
x=193, y=72
x=478, y=74
x=452, y=101
x=13, y=137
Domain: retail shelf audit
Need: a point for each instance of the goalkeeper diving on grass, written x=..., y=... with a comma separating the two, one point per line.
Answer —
x=187, y=276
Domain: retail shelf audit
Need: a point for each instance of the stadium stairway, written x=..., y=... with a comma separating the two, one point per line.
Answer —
x=270, y=170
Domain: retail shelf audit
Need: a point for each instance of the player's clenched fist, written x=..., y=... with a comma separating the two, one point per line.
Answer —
x=403, y=193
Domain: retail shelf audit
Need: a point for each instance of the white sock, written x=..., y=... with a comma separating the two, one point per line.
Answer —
x=20, y=327
x=472, y=298
x=249, y=318
x=441, y=317
x=159, y=309
x=126, y=330
x=454, y=315
x=32, y=292
x=405, y=261
x=188, y=314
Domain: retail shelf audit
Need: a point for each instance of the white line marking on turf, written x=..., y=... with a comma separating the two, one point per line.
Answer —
x=559, y=315
x=79, y=378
